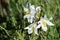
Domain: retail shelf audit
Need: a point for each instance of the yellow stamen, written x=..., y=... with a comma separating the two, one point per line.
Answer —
x=44, y=23
x=32, y=28
x=27, y=12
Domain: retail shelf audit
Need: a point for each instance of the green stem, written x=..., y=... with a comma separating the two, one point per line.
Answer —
x=4, y=30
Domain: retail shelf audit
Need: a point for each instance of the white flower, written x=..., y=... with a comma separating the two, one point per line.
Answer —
x=44, y=22
x=30, y=14
x=27, y=15
x=32, y=28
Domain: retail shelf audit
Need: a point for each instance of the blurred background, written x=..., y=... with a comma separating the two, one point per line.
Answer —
x=12, y=23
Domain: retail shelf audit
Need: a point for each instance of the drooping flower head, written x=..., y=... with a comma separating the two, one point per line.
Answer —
x=38, y=9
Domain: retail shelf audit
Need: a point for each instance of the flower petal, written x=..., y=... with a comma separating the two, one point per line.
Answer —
x=30, y=31
x=35, y=31
x=28, y=4
x=49, y=23
x=45, y=17
x=32, y=13
x=38, y=8
x=28, y=19
x=38, y=26
x=32, y=7
x=25, y=9
x=44, y=28
x=26, y=28
x=32, y=10
x=25, y=16
x=29, y=27
x=50, y=18
x=31, y=20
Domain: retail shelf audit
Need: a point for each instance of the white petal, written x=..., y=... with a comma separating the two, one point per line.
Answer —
x=30, y=31
x=25, y=16
x=32, y=7
x=38, y=26
x=26, y=28
x=38, y=8
x=32, y=10
x=45, y=17
x=28, y=4
x=35, y=31
x=50, y=18
x=25, y=9
x=32, y=19
x=29, y=27
x=44, y=28
x=49, y=23
x=32, y=13
x=28, y=19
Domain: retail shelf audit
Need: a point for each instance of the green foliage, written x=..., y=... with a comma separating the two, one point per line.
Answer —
x=13, y=27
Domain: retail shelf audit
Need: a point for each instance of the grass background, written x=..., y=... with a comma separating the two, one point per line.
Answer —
x=12, y=24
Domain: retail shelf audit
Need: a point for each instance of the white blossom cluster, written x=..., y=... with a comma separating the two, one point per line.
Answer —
x=32, y=14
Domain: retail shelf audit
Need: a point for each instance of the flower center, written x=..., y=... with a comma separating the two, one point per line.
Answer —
x=44, y=23
x=32, y=28
x=27, y=12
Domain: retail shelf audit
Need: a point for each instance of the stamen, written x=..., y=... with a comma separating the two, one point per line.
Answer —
x=44, y=23
x=27, y=12
x=32, y=28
